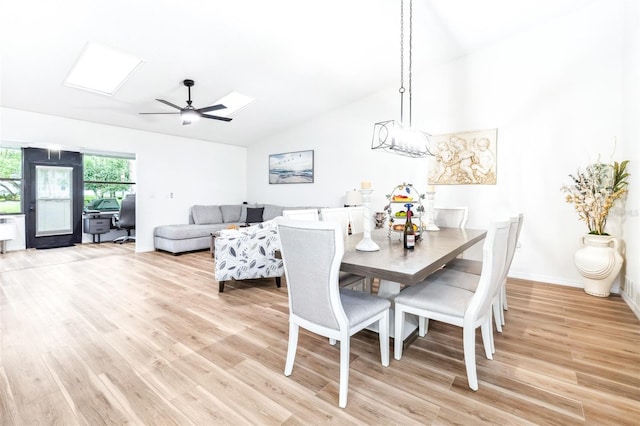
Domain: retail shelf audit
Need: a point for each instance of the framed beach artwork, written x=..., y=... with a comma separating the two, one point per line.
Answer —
x=291, y=167
x=466, y=158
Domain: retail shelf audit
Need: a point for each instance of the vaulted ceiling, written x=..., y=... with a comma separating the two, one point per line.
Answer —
x=298, y=58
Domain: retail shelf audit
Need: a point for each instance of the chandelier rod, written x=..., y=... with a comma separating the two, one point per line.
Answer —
x=401, y=90
x=410, y=54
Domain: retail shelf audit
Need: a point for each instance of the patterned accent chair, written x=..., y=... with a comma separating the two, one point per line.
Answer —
x=248, y=253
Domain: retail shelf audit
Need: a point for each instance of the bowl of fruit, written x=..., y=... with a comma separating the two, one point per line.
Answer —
x=402, y=198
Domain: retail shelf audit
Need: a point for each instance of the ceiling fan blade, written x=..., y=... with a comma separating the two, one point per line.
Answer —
x=146, y=113
x=168, y=103
x=215, y=117
x=211, y=108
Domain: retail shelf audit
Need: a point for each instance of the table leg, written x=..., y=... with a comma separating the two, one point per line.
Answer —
x=389, y=290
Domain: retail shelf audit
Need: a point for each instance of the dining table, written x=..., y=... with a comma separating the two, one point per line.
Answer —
x=397, y=267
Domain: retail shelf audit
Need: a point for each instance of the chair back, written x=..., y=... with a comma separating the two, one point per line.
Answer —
x=301, y=214
x=356, y=217
x=494, y=255
x=312, y=253
x=450, y=217
x=127, y=215
x=514, y=233
x=339, y=215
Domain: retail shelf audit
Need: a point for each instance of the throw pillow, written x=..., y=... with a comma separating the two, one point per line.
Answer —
x=254, y=215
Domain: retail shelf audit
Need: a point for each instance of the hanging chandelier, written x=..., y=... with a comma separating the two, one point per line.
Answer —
x=393, y=136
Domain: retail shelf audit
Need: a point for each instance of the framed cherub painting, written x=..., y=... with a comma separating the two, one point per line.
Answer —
x=465, y=158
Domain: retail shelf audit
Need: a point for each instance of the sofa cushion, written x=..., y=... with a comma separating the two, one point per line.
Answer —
x=231, y=213
x=181, y=232
x=254, y=215
x=206, y=214
x=271, y=211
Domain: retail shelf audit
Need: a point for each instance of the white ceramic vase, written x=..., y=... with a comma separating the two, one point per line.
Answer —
x=598, y=260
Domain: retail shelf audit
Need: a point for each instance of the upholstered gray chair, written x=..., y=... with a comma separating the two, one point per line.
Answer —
x=312, y=253
x=432, y=299
x=451, y=217
x=301, y=214
x=126, y=218
x=341, y=216
x=471, y=266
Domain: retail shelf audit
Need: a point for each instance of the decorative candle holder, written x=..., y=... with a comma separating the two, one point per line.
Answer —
x=431, y=225
x=367, y=244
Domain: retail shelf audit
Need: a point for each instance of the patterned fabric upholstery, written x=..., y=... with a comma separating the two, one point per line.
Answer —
x=248, y=253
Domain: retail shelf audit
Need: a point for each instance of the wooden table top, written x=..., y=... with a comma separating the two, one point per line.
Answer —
x=392, y=262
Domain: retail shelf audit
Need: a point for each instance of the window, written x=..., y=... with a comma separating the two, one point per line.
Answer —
x=106, y=181
x=10, y=180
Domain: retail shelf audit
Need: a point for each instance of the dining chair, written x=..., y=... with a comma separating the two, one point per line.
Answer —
x=341, y=215
x=458, y=306
x=451, y=217
x=312, y=253
x=336, y=214
x=356, y=218
x=301, y=214
x=472, y=266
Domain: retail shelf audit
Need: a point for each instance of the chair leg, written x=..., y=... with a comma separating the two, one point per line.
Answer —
x=487, y=338
x=504, y=297
x=469, y=343
x=497, y=311
x=503, y=301
x=398, y=330
x=423, y=326
x=383, y=333
x=344, y=370
x=278, y=282
x=220, y=286
x=291, y=349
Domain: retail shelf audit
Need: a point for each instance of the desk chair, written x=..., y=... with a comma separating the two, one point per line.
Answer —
x=126, y=219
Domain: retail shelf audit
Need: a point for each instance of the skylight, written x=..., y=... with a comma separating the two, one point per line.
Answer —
x=234, y=102
x=101, y=69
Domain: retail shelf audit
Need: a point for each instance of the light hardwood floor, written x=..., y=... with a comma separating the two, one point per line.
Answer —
x=97, y=334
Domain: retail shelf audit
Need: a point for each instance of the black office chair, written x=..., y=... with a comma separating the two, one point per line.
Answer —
x=126, y=219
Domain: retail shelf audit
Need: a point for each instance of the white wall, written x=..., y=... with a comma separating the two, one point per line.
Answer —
x=631, y=135
x=555, y=95
x=195, y=172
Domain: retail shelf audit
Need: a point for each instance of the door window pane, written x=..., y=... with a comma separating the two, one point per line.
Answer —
x=54, y=200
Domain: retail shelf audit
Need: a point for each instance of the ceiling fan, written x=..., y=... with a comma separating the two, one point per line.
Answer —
x=189, y=114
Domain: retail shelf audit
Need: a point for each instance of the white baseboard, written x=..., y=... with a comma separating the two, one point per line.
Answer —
x=634, y=308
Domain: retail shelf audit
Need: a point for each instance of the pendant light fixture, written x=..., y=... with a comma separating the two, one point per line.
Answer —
x=395, y=137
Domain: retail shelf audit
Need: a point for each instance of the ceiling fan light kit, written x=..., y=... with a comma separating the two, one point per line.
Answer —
x=189, y=114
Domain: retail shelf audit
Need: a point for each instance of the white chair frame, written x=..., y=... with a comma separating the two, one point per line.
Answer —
x=477, y=312
x=451, y=217
x=344, y=330
x=301, y=214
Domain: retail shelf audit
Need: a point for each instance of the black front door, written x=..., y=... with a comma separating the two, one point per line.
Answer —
x=53, y=198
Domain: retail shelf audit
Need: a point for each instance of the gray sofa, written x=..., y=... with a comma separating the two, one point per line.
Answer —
x=204, y=220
